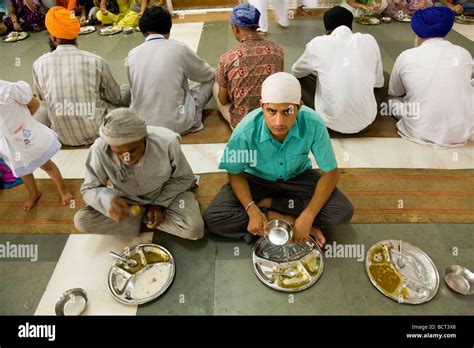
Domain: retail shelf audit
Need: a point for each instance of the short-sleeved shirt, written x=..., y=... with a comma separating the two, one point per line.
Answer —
x=253, y=149
x=242, y=71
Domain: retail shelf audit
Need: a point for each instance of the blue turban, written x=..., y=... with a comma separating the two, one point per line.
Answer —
x=432, y=22
x=245, y=16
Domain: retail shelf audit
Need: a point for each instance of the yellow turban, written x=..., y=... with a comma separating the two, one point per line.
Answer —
x=62, y=24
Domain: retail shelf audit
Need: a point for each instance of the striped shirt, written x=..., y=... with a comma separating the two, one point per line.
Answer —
x=78, y=88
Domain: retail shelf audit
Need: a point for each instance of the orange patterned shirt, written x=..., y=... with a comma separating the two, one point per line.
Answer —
x=242, y=71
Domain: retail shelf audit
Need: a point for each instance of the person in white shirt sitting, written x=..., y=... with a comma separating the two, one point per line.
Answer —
x=432, y=83
x=347, y=67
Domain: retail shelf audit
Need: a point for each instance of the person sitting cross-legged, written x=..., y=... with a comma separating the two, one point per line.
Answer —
x=242, y=70
x=159, y=71
x=145, y=167
x=76, y=87
x=269, y=171
x=430, y=86
x=339, y=72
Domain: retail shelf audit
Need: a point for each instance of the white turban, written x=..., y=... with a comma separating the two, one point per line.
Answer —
x=281, y=88
x=122, y=126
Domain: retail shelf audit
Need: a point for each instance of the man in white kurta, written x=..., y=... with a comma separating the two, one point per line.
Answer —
x=158, y=71
x=135, y=165
x=347, y=67
x=433, y=84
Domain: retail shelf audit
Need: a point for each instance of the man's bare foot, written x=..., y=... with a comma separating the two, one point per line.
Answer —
x=302, y=12
x=318, y=234
x=265, y=203
x=31, y=201
x=262, y=33
x=66, y=196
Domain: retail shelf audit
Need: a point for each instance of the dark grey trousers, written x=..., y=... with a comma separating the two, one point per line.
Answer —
x=225, y=215
x=308, y=89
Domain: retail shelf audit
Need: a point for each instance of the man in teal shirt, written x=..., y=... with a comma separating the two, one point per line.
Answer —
x=270, y=175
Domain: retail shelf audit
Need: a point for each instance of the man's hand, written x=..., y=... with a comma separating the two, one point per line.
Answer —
x=257, y=221
x=458, y=9
x=83, y=20
x=16, y=26
x=103, y=10
x=367, y=8
x=377, y=6
x=118, y=210
x=302, y=228
x=155, y=216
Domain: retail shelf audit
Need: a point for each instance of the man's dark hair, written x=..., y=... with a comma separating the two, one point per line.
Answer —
x=337, y=16
x=67, y=42
x=156, y=20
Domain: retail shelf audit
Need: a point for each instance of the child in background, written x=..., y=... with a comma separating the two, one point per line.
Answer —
x=26, y=144
x=126, y=17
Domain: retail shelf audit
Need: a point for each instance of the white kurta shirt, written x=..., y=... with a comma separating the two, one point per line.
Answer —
x=348, y=67
x=435, y=80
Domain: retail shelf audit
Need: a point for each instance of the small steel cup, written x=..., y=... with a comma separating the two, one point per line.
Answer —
x=279, y=232
x=459, y=279
x=72, y=302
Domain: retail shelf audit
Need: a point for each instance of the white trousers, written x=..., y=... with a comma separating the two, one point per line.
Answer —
x=281, y=12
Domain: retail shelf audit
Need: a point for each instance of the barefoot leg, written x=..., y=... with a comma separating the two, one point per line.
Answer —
x=34, y=194
x=274, y=215
x=318, y=234
x=302, y=12
x=265, y=203
x=54, y=173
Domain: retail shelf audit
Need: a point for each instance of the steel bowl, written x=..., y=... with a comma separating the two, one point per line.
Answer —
x=279, y=232
x=128, y=30
x=459, y=279
x=145, y=281
x=72, y=302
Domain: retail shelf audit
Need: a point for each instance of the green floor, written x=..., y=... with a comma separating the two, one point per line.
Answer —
x=212, y=279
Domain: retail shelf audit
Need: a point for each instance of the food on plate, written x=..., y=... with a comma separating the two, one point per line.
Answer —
x=301, y=278
x=151, y=281
x=312, y=263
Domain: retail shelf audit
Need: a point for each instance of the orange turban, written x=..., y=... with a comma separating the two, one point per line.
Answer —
x=62, y=24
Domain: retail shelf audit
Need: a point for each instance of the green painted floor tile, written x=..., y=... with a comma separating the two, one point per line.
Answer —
x=365, y=299
x=232, y=249
x=239, y=291
x=192, y=291
x=215, y=41
x=457, y=235
x=24, y=279
x=46, y=247
x=22, y=285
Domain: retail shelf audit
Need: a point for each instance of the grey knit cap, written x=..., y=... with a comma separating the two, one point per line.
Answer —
x=122, y=126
